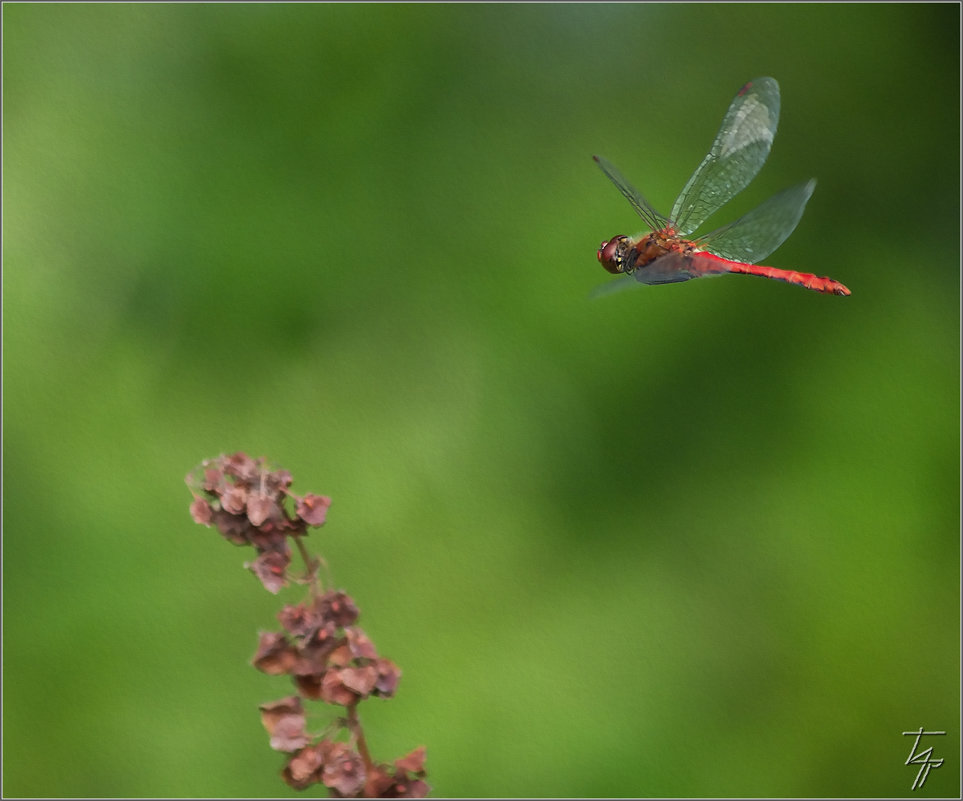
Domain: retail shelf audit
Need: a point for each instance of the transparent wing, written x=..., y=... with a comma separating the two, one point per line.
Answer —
x=652, y=218
x=619, y=284
x=757, y=234
x=737, y=154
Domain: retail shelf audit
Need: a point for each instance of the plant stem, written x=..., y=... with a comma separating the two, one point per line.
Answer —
x=312, y=565
x=354, y=722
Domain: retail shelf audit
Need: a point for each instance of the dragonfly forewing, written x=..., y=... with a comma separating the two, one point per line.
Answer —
x=652, y=218
x=740, y=149
x=619, y=284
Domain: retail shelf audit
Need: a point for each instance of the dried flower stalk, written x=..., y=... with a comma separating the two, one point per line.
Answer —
x=328, y=657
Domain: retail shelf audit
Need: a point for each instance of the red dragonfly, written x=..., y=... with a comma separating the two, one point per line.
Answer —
x=668, y=255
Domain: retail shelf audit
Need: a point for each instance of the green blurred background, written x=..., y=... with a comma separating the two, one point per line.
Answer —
x=700, y=539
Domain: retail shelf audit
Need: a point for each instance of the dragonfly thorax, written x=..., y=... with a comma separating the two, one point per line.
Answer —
x=622, y=254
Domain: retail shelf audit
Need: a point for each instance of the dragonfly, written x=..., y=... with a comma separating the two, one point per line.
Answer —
x=668, y=254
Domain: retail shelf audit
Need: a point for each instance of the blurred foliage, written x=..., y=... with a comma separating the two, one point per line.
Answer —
x=700, y=539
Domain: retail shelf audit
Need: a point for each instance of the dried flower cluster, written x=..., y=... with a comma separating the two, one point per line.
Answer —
x=328, y=657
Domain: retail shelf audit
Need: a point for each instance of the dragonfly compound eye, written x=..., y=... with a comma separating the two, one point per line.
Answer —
x=610, y=254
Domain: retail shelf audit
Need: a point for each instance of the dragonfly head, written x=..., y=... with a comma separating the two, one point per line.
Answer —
x=611, y=253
